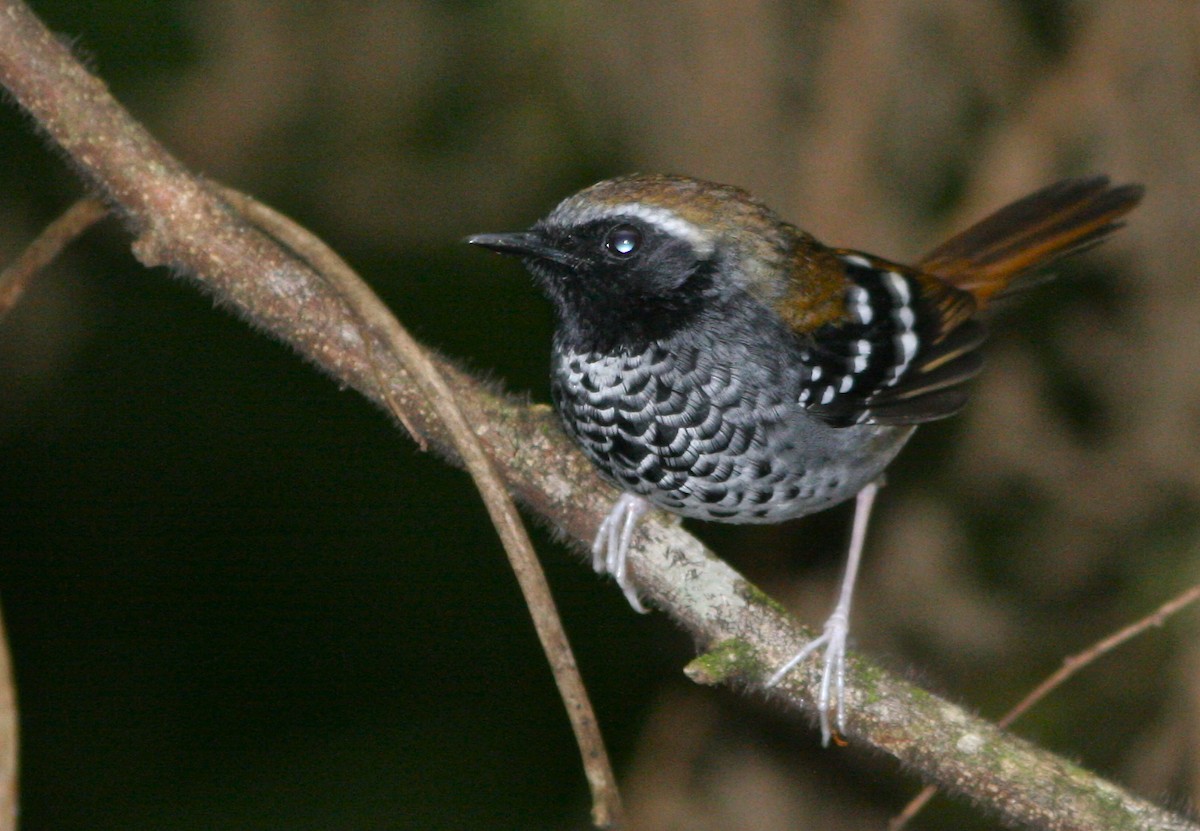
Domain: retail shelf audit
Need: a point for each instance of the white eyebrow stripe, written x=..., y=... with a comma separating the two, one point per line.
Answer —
x=663, y=219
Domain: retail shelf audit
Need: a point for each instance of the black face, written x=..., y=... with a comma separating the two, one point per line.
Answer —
x=615, y=280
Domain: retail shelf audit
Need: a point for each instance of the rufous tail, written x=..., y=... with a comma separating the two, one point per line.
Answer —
x=1057, y=220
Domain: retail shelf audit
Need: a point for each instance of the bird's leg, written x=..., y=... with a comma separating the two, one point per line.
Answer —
x=610, y=551
x=837, y=628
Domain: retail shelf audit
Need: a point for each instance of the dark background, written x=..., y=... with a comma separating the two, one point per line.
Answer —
x=237, y=597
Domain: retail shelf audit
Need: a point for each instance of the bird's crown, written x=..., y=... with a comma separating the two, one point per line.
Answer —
x=706, y=214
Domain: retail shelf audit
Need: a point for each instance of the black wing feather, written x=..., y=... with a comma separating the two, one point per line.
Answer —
x=906, y=345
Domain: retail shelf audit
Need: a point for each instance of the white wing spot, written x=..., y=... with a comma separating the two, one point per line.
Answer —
x=898, y=286
x=907, y=343
x=862, y=305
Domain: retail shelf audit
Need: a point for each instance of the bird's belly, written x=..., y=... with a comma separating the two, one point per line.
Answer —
x=717, y=446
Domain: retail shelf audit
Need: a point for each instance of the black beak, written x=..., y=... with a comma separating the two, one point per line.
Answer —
x=522, y=244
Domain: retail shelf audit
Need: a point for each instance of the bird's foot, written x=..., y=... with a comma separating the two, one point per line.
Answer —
x=833, y=677
x=611, y=549
x=837, y=628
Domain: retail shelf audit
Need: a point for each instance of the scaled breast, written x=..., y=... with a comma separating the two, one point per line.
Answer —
x=676, y=427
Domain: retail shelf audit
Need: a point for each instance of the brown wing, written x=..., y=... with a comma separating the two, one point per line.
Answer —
x=906, y=343
x=899, y=354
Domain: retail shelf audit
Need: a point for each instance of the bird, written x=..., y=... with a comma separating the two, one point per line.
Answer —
x=717, y=362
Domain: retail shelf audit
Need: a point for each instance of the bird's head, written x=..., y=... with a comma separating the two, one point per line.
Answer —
x=641, y=255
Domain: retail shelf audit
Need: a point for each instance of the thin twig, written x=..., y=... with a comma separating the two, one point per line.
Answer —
x=1074, y=663
x=9, y=737
x=41, y=252
x=14, y=280
x=1071, y=665
x=377, y=322
x=914, y=807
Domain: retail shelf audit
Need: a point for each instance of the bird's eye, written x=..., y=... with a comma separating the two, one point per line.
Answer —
x=623, y=241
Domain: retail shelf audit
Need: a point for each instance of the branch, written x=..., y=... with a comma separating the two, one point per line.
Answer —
x=1071, y=665
x=43, y=250
x=181, y=222
x=373, y=316
x=9, y=738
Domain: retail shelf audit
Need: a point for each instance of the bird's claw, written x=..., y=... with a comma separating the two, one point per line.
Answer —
x=610, y=551
x=833, y=676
